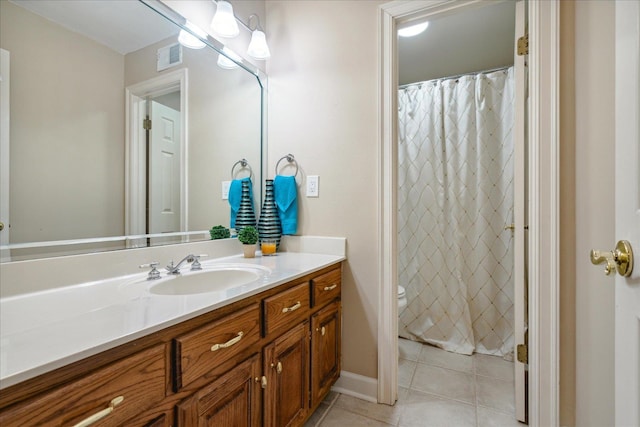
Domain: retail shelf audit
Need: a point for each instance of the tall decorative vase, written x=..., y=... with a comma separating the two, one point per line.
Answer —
x=269, y=226
x=246, y=216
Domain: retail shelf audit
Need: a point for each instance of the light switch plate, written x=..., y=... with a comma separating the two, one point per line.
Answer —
x=313, y=183
x=225, y=189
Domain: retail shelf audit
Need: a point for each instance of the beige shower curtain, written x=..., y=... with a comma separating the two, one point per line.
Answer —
x=455, y=178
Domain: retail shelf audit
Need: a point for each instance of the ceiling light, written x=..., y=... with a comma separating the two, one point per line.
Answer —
x=413, y=30
x=258, y=47
x=225, y=62
x=187, y=39
x=224, y=21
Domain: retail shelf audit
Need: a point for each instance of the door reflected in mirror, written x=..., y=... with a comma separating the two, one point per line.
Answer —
x=85, y=81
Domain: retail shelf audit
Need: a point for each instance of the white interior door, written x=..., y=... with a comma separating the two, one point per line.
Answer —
x=627, y=193
x=4, y=152
x=164, y=169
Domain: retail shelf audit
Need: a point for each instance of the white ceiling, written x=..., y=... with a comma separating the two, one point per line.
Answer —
x=123, y=25
x=473, y=40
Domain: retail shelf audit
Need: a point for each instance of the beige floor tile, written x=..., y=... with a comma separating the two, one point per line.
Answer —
x=444, y=382
x=495, y=394
x=424, y=410
x=409, y=350
x=339, y=417
x=406, y=369
x=490, y=418
x=317, y=415
x=385, y=413
x=438, y=357
x=494, y=366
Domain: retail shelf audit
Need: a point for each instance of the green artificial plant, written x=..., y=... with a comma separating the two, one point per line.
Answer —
x=219, y=232
x=248, y=235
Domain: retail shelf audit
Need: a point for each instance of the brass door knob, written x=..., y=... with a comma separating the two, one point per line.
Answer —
x=620, y=259
x=1, y=225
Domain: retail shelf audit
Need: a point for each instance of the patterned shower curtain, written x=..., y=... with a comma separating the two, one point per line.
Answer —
x=455, y=197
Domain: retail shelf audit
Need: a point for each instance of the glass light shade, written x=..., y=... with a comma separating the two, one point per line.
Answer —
x=224, y=21
x=413, y=30
x=258, y=47
x=186, y=39
x=225, y=62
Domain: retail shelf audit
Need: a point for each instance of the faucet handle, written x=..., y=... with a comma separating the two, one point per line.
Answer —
x=195, y=265
x=154, y=273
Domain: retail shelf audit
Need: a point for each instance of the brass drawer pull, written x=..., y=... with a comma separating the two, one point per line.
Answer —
x=294, y=307
x=229, y=343
x=330, y=288
x=279, y=367
x=100, y=415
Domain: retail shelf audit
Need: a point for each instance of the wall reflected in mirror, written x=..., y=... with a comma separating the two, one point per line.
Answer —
x=83, y=162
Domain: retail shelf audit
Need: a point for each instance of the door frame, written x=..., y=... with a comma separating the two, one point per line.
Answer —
x=544, y=217
x=5, y=150
x=135, y=148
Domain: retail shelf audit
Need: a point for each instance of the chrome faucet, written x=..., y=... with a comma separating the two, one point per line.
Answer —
x=193, y=259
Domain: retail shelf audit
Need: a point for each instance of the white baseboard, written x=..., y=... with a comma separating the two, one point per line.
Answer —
x=359, y=386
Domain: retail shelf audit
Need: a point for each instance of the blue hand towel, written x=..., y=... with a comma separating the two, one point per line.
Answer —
x=286, y=196
x=235, y=194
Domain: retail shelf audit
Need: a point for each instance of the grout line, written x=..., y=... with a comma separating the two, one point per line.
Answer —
x=326, y=412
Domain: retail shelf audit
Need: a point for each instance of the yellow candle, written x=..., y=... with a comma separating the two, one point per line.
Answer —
x=268, y=248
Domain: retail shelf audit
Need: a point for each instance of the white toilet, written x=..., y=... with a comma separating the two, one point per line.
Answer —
x=402, y=298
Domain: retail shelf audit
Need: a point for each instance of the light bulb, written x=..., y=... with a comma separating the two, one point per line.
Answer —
x=258, y=47
x=225, y=62
x=187, y=39
x=413, y=30
x=224, y=21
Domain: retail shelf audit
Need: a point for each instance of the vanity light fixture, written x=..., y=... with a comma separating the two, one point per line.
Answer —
x=224, y=21
x=413, y=30
x=187, y=39
x=225, y=62
x=225, y=24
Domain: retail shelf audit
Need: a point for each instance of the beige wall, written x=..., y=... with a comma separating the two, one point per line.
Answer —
x=82, y=138
x=323, y=109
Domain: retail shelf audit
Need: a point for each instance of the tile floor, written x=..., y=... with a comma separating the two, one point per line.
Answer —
x=436, y=389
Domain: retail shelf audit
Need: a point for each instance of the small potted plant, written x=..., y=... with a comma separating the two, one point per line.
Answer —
x=248, y=236
x=219, y=232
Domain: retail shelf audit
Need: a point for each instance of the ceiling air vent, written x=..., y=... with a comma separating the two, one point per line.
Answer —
x=169, y=56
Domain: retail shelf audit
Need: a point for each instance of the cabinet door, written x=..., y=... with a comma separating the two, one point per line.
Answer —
x=233, y=400
x=325, y=350
x=286, y=366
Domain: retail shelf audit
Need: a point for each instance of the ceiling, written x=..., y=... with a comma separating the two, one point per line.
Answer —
x=473, y=40
x=123, y=25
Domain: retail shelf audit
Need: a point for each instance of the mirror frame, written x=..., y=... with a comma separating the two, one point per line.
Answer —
x=187, y=236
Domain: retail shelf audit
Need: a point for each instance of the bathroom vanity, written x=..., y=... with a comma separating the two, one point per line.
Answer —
x=263, y=354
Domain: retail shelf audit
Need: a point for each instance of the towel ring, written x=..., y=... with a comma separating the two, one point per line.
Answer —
x=243, y=165
x=290, y=159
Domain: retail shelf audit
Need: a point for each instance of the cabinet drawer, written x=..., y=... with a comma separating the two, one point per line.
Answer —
x=286, y=308
x=129, y=387
x=326, y=287
x=205, y=348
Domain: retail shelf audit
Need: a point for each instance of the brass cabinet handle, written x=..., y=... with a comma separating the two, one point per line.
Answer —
x=279, y=368
x=330, y=288
x=294, y=307
x=229, y=343
x=322, y=331
x=100, y=415
x=262, y=380
x=620, y=259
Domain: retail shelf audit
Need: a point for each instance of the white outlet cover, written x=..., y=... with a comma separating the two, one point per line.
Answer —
x=313, y=184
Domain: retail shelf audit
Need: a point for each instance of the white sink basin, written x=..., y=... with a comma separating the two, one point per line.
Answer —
x=205, y=281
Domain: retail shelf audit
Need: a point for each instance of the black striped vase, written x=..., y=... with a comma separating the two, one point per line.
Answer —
x=269, y=226
x=246, y=216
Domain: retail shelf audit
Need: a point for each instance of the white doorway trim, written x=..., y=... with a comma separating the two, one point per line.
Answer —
x=135, y=149
x=543, y=205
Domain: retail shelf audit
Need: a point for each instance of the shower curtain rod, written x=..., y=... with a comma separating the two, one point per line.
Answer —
x=457, y=76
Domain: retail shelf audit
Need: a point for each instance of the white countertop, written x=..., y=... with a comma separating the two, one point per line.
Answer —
x=45, y=330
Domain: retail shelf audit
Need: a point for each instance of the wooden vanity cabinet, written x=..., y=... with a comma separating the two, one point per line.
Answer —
x=266, y=360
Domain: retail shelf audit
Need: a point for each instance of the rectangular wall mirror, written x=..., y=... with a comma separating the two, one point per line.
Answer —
x=118, y=136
